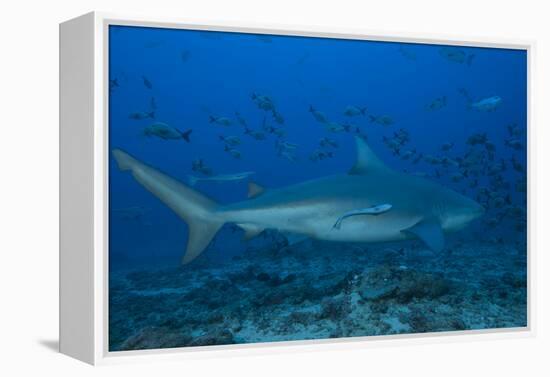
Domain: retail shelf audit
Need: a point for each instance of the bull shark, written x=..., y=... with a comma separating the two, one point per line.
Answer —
x=414, y=207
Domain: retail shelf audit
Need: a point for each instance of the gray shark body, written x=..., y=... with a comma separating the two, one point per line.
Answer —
x=419, y=208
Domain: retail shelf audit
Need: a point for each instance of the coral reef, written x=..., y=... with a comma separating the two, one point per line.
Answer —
x=318, y=290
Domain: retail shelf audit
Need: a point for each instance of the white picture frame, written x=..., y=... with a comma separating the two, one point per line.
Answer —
x=84, y=190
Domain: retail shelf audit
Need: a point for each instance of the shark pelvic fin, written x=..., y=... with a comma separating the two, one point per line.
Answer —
x=430, y=232
x=294, y=238
x=250, y=231
x=367, y=161
x=254, y=190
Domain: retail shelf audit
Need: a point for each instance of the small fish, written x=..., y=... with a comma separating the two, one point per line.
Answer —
x=351, y=128
x=326, y=142
x=487, y=104
x=383, y=120
x=517, y=166
x=264, y=38
x=407, y=53
x=490, y=147
x=278, y=117
x=320, y=155
x=456, y=55
x=153, y=104
x=240, y=119
x=233, y=152
x=457, y=177
x=221, y=178
x=437, y=104
x=166, y=132
x=418, y=158
x=513, y=129
x=374, y=211
x=263, y=102
x=185, y=55
x=140, y=115
x=290, y=156
x=230, y=140
x=476, y=139
x=113, y=83
x=147, y=83
x=447, y=147
x=258, y=135
x=319, y=116
x=277, y=131
x=408, y=154
x=514, y=143
x=199, y=166
x=334, y=127
x=287, y=145
x=223, y=121
x=354, y=111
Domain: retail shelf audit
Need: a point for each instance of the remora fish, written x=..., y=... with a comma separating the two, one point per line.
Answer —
x=374, y=210
x=221, y=178
x=420, y=208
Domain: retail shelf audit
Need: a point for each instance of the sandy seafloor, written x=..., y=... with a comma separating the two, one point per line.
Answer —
x=318, y=290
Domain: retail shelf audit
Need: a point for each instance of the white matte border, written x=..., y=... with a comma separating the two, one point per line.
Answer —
x=101, y=187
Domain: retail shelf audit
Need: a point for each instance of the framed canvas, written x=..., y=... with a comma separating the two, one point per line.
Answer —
x=241, y=188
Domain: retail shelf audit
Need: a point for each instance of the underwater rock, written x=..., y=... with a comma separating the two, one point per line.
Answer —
x=421, y=286
x=388, y=283
x=155, y=337
x=334, y=309
x=302, y=318
x=514, y=281
x=215, y=337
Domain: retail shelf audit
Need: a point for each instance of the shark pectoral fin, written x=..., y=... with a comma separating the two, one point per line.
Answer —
x=294, y=238
x=250, y=231
x=254, y=190
x=367, y=161
x=430, y=232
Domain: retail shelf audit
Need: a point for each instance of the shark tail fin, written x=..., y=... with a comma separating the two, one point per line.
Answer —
x=197, y=210
x=124, y=160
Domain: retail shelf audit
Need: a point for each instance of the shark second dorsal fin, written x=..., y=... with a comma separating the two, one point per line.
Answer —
x=254, y=190
x=367, y=161
x=430, y=232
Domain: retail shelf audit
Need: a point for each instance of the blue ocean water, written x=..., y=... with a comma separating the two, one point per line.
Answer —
x=454, y=115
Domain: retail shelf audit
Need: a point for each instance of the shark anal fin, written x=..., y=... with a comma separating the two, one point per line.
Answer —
x=367, y=161
x=430, y=232
x=254, y=190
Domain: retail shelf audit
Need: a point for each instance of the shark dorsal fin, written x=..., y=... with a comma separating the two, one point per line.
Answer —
x=254, y=190
x=367, y=161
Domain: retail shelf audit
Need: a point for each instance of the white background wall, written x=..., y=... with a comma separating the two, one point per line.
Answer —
x=29, y=189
